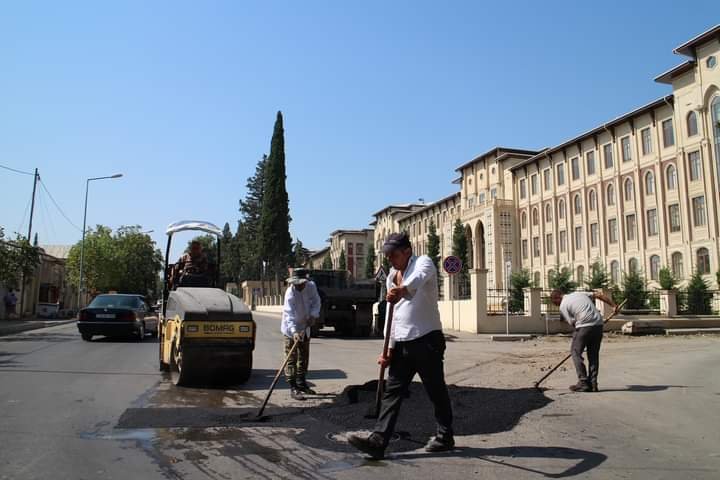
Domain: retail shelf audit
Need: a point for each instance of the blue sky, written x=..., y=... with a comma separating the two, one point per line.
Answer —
x=382, y=100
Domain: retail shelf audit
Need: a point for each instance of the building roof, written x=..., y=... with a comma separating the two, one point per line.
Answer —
x=612, y=123
x=408, y=207
x=670, y=75
x=319, y=252
x=688, y=48
x=454, y=196
x=58, y=251
x=362, y=231
x=497, y=151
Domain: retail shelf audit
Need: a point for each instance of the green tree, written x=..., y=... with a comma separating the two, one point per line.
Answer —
x=561, y=279
x=599, y=278
x=247, y=236
x=209, y=247
x=370, y=263
x=327, y=262
x=519, y=281
x=634, y=291
x=698, y=297
x=300, y=255
x=99, y=267
x=666, y=279
x=275, y=240
x=17, y=258
x=385, y=264
x=342, y=261
x=433, y=245
x=230, y=261
x=460, y=245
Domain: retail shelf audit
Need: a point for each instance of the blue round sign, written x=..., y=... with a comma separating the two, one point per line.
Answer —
x=452, y=265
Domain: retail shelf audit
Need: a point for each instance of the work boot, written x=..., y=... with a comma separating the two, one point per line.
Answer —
x=594, y=387
x=304, y=387
x=296, y=394
x=581, y=386
x=440, y=444
x=372, y=445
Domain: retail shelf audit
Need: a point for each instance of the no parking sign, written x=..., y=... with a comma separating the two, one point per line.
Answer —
x=452, y=265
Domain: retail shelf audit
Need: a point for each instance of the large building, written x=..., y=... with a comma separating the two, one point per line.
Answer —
x=636, y=193
x=354, y=244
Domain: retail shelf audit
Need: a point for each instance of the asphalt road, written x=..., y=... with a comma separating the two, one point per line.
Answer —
x=79, y=410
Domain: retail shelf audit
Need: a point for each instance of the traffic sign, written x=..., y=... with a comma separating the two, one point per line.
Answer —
x=452, y=265
x=380, y=275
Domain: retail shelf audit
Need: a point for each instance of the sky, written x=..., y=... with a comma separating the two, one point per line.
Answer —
x=381, y=100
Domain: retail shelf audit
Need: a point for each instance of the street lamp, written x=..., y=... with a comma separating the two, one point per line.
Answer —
x=82, y=244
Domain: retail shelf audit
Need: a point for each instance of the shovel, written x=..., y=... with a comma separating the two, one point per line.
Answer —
x=381, y=376
x=275, y=380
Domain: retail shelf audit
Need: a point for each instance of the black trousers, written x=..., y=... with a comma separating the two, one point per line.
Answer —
x=423, y=356
x=588, y=338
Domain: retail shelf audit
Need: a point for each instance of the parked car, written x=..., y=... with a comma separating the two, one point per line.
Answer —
x=116, y=315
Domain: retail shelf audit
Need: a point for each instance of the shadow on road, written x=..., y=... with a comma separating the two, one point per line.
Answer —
x=40, y=337
x=644, y=388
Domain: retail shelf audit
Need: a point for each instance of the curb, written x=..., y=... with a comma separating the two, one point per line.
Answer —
x=10, y=330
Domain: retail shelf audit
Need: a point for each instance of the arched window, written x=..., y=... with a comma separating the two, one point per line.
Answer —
x=615, y=272
x=629, y=190
x=649, y=183
x=535, y=216
x=580, y=275
x=671, y=174
x=548, y=213
x=677, y=265
x=592, y=200
x=523, y=220
x=578, y=204
x=610, y=195
x=692, y=125
x=633, y=265
x=703, y=261
x=561, y=208
x=654, y=267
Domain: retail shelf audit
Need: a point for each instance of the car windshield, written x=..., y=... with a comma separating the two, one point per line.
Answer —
x=114, y=301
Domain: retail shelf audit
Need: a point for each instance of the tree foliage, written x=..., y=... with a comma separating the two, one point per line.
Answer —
x=433, y=244
x=666, y=279
x=519, y=281
x=599, y=278
x=17, y=258
x=561, y=279
x=634, y=291
x=460, y=245
x=300, y=255
x=342, y=261
x=370, y=263
x=698, y=297
x=327, y=262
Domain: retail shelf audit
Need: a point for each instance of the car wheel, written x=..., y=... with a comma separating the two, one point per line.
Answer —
x=141, y=332
x=86, y=336
x=178, y=376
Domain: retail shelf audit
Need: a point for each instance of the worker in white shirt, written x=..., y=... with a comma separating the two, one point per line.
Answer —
x=417, y=345
x=301, y=310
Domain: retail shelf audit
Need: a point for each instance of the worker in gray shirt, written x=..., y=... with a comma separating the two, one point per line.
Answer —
x=579, y=310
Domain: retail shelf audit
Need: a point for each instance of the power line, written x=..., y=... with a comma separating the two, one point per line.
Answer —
x=22, y=222
x=42, y=184
x=16, y=171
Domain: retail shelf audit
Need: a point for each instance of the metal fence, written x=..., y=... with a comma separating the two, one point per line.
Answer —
x=698, y=303
x=461, y=287
x=644, y=302
x=496, y=300
x=546, y=305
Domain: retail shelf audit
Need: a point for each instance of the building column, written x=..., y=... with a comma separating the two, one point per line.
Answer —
x=668, y=303
x=478, y=289
x=533, y=302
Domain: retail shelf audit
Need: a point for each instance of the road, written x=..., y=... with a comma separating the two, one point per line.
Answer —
x=100, y=410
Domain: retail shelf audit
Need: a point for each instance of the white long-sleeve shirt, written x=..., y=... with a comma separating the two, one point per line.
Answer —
x=416, y=314
x=298, y=308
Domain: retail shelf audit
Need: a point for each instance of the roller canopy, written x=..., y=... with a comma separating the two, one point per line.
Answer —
x=183, y=225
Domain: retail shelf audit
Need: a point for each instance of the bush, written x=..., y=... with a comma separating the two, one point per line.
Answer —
x=666, y=279
x=518, y=282
x=634, y=291
x=698, y=297
x=562, y=280
x=599, y=278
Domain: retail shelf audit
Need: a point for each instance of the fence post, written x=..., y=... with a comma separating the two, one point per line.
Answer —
x=447, y=293
x=603, y=307
x=668, y=303
x=533, y=302
x=478, y=295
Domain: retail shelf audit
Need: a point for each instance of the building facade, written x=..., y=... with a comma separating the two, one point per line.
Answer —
x=387, y=221
x=355, y=244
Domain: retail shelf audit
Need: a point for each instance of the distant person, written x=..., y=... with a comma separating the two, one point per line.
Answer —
x=195, y=261
x=579, y=310
x=10, y=300
x=301, y=310
x=417, y=345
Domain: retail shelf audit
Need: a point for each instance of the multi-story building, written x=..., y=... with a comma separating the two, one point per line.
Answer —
x=387, y=221
x=442, y=214
x=316, y=259
x=355, y=244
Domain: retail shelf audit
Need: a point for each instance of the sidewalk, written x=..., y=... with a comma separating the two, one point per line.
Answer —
x=8, y=327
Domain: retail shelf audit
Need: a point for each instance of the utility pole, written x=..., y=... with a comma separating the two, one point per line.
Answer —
x=36, y=176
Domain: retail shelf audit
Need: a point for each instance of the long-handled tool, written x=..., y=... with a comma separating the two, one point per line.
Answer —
x=381, y=376
x=537, y=384
x=277, y=377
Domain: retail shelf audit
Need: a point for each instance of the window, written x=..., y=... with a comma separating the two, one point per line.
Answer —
x=578, y=204
x=646, y=141
x=524, y=249
x=677, y=265
x=626, y=151
x=523, y=220
x=695, y=166
x=698, y=204
x=580, y=275
x=575, y=166
x=711, y=62
x=481, y=197
x=493, y=193
x=536, y=246
x=608, y=155
x=578, y=238
x=592, y=200
x=652, y=226
x=630, y=227
x=654, y=267
x=561, y=209
x=548, y=213
x=703, y=261
x=563, y=241
x=359, y=247
x=614, y=272
x=633, y=265
x=590, y=163
x=533, y=185
x=561, y=174
x=668, y=133
x=612, y=230
x=671, y=177
x=629, y=190
x=535, y=216
x=649, y=183
x=548, y=244
x=546, y=179
x=610, y=195
x=692, y=125
x=674, y=214
x=594, y=235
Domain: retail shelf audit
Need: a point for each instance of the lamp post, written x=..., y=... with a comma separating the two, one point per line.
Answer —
x=82, y=244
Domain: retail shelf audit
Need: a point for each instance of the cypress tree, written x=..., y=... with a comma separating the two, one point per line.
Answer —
x=698, y=298
x=433, y=245
x=327, y=262
x=342, y=261
x=634, y=291
x=370, y=263
x=460, y=244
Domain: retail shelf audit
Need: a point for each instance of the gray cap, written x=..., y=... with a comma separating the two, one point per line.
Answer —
x=396, y=241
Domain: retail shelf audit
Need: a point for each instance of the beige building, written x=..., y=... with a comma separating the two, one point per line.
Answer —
x=315, y=261
x=355, y=244
x=387, y=221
